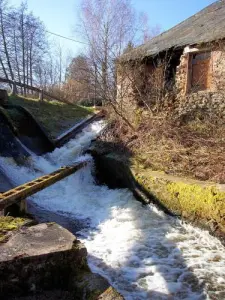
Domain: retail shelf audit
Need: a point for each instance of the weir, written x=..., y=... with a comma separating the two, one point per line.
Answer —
x=22, y=135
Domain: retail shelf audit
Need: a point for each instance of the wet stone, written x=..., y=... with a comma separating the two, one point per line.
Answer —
x=41, y=239
x=42, y=257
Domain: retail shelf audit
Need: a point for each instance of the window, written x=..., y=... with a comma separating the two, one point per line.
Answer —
x=200, y=75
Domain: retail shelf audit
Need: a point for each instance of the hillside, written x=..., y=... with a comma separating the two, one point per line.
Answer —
x=54, y=116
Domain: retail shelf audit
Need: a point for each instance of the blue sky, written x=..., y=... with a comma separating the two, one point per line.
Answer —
x=60, y=16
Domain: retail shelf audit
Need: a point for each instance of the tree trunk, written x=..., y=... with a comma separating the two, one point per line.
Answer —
x=4, y=70
x=23, y=52
x=16, y=55
x=5, y=47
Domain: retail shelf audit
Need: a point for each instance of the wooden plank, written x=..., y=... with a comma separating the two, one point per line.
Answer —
x=201, y=73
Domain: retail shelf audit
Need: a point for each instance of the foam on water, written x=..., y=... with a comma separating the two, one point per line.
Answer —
x=144, y=253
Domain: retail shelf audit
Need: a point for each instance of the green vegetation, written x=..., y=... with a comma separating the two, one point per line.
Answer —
x=54, y=116
x=9, y=224
x=202, y=203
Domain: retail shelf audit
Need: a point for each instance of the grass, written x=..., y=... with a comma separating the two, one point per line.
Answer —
x=54, y=116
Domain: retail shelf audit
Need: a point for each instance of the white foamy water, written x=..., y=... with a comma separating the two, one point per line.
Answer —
x=144, y=253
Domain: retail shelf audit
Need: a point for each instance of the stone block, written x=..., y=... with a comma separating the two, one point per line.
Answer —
x=41, y=257
x=46, y=261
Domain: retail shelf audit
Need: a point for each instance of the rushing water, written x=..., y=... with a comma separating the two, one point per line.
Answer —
x=144, y=253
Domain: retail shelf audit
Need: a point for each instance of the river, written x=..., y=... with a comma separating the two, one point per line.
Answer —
x=143, y=252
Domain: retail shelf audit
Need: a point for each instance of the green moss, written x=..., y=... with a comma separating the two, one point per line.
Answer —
x=205, y=202
x=8, y=224
x=192, y=200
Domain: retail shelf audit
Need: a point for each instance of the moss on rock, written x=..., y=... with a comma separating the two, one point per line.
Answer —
x=8, y=224
x=193, y=200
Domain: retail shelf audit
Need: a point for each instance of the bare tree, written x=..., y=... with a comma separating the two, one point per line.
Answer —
x=107, y=26
x=79, y=80
x=22, y=43
x=4, y=34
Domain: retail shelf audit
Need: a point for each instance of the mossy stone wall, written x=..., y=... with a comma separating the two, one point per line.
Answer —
x=200, y=202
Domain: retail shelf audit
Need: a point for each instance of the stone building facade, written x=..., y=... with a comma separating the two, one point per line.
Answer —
x=140, y=84
x=197, y=82
x=190, y=59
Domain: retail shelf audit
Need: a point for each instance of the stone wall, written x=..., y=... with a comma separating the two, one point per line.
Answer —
x=140, y=85
x=181, y=75
x=125, y=91
x=203, y=103
x=218, y=68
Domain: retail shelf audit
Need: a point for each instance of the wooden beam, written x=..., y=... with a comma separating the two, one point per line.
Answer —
x=25, y=190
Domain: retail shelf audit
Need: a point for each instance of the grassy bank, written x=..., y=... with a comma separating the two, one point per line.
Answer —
x=54, y=116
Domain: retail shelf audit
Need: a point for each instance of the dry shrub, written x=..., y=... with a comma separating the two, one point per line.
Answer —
x=116, y=138
x=194, y=149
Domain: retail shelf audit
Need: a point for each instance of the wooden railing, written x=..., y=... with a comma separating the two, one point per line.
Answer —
x=41, y=92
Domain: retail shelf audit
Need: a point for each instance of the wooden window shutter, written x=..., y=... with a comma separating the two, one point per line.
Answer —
x=201, y=73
